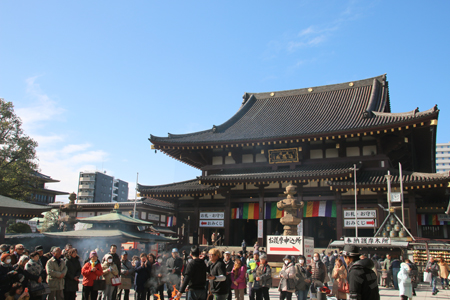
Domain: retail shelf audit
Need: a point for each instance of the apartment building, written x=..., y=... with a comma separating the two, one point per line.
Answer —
x=96, y=187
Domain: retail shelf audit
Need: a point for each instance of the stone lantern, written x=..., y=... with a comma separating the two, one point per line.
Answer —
x=291, y=206
x=71, y=210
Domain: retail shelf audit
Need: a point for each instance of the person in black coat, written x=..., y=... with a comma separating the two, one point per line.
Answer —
x=72, y=275
x=218, y=274
x=20, y=268
x=7, y=274
x=143, y=271
x=229, y=268
x=361, y=278
x=174, y=265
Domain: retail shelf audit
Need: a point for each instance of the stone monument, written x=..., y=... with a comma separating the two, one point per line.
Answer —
x=291, y=206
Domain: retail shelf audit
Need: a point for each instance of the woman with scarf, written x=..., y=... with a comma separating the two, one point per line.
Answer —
x=238, y=282
x=91, y=271
x=302, y=278
x=73, y=274
x=34, y=267
x=109, y=272
x=287, y=279
x=7, y=274
x=404, y=282
x=339, y=275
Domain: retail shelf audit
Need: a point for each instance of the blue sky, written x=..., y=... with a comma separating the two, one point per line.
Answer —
x=93, y=79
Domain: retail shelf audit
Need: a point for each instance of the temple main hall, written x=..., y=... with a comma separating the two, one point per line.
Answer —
x=314, y=138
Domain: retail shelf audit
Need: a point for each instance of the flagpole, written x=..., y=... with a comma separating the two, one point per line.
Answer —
x=135, y=195
x=401, y=191
x=356, y=202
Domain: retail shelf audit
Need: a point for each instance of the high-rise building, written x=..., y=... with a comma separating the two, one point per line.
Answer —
x=443, y=157
x=99, y=187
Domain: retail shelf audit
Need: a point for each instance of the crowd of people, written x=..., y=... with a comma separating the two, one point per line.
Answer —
x=202, y=275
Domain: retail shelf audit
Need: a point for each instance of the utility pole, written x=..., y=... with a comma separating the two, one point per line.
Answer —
x=135, y=195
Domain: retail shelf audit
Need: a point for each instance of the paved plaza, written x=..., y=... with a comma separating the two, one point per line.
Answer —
x=423, y=293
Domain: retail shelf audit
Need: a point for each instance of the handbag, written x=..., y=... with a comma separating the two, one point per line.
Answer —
x=344, y=287
x=290, y=283
x=126, y=284
x=99, y=284
x=116, y=281
x=39, y=290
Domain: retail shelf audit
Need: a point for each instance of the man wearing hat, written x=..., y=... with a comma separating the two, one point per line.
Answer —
x=361, y=278
x=252, y=265
x=18, y=251
x=174, y=265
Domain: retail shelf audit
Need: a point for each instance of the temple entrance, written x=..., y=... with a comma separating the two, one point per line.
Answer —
x=323, y=229
x=243, y=230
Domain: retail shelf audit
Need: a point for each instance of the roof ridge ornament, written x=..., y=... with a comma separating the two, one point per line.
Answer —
x=214, y=129
x=245, y=97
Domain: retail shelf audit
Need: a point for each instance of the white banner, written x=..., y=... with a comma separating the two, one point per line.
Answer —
x=362, y=213
x=362, y=223
x=260, y=229
x=367, y=241
x=300, y=228
x=153, y=217
x=308, y=250
x=212, y=223
x=212, y=215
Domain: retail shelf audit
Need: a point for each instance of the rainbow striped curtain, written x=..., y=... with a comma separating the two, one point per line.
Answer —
x=246, y=211
x=428, y=219
x=320, y=209
x=272, y=212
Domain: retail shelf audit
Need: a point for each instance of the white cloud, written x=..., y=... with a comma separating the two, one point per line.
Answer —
x=57, y=158
x=42, y=109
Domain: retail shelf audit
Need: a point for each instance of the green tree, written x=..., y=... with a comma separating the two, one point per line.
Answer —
x=18, y=228
x=18, y=162
x=52, y=222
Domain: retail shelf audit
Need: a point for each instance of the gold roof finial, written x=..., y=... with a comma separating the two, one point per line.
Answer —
x=116, y=206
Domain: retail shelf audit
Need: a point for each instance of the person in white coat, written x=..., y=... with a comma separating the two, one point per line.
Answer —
x=404, y=282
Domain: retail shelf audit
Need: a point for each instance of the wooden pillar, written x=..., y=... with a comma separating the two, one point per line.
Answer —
x=195, y=222
x=261, y=215
x=412, y=214
x=339, y=216
x=3, y=221
x=227, y=216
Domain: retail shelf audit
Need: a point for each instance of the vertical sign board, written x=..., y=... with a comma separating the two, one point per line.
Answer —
x=260, y=229
x=308, y=252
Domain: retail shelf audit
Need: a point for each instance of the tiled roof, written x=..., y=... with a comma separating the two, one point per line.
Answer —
x=378, y=178
x=114, y=217
x=108, y=234
x=177, y=187
x=9, y=203
x=305, y=112
x=300, y=172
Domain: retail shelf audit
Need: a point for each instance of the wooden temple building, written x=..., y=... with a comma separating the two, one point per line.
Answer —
x=311, y=137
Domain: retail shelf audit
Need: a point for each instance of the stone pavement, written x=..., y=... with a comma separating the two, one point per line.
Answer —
x=423, y=293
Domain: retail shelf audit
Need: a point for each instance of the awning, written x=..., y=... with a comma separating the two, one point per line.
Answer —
x=162, y=230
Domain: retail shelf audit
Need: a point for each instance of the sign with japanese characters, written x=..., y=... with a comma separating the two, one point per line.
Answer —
x=362, y=223
x=443, y=217
x=367, y=240
x=396, y=197
x=362, y=213
x=211, y=223
x=284, y=244
x=308, y=249
x=212, y=215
